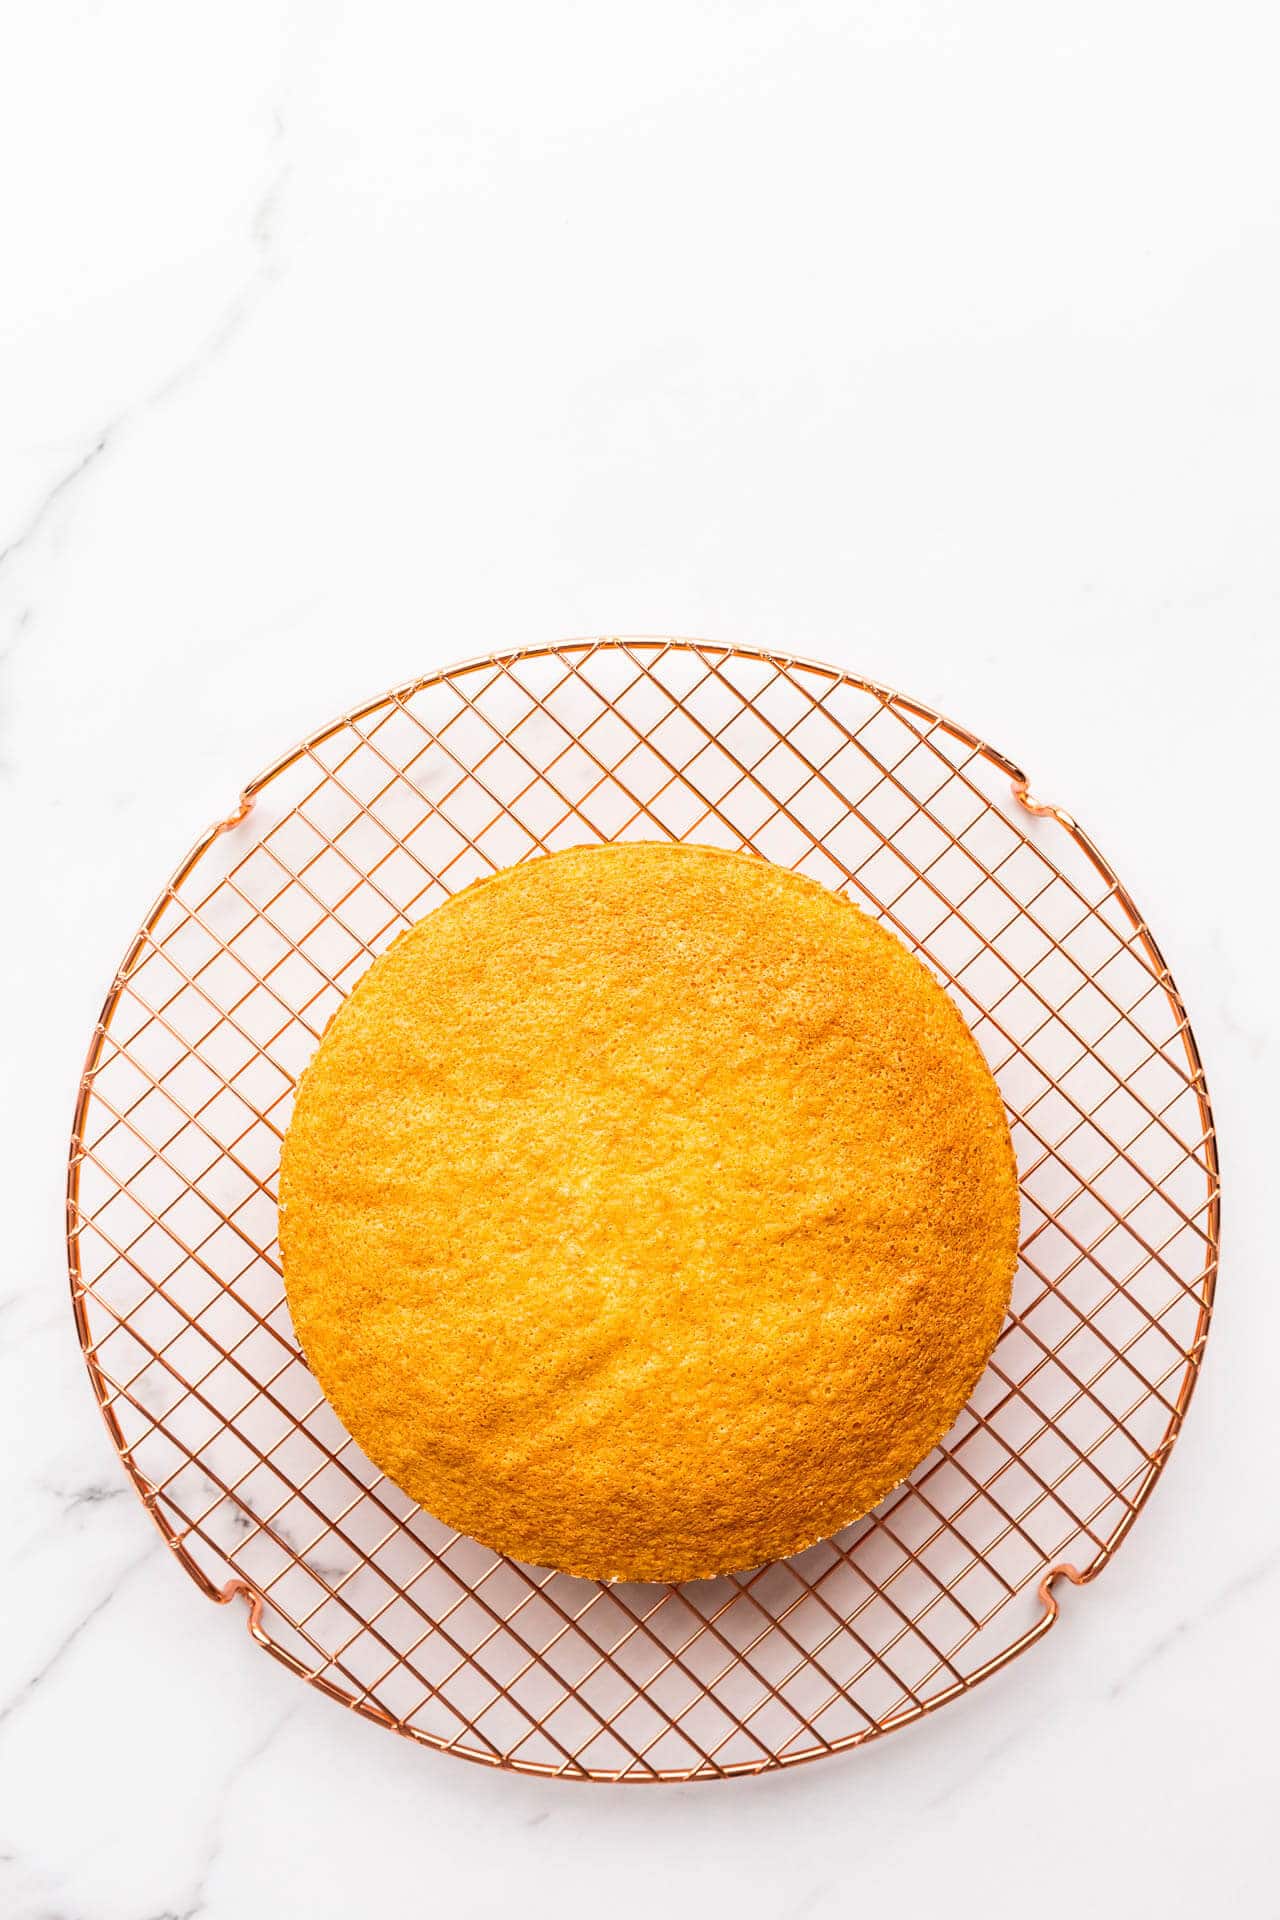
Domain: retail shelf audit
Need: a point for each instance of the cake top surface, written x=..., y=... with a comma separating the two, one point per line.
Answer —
x=648, y=1212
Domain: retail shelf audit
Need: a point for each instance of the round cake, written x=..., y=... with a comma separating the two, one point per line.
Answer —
x=648, y=1212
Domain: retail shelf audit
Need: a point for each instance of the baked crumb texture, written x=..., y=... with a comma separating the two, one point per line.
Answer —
x=648, y=1212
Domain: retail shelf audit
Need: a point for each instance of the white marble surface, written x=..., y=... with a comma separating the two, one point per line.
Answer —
x=342, y=342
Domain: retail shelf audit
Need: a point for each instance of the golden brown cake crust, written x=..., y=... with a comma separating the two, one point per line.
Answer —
x=648, y=1212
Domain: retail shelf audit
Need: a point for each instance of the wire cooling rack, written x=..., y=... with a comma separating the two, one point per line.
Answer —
x=221, y=1000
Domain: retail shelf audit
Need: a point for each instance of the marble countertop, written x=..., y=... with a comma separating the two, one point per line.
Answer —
x=339, y=344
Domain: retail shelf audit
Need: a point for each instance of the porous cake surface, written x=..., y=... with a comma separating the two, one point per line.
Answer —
x=648, y=1212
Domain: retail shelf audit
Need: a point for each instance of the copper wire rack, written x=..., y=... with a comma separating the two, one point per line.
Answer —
x=222, y=998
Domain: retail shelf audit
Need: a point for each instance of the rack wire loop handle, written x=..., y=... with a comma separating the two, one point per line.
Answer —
x=231, y=1591
x=234, y=819
x=1063, y=1571
x=1022, y=793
